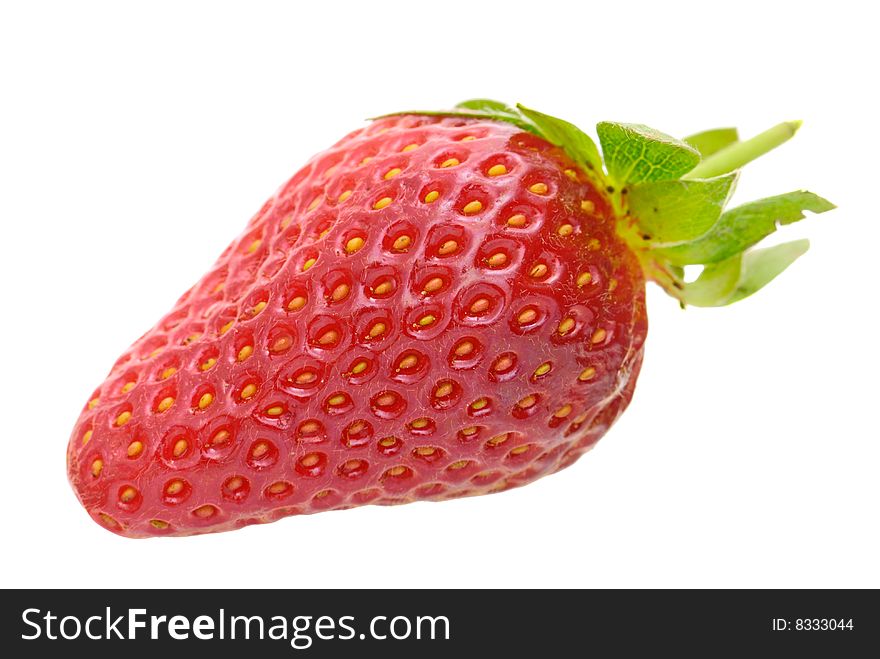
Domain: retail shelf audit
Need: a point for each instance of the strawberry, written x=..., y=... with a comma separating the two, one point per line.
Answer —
x=440, y=305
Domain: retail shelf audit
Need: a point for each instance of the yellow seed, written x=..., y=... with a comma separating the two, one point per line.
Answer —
x=527, y=402
x=594, y=245
x=598, y=336
x=396, y=471
x=345, y=195
x=359, y=368
x=543, y=369
x=282, y=343
x=583, y=279
x=497, y=440
x=391, y=173
x=307, y=377
x=470, y=430
x=580, y=418
x=570, y=173
x=426, y=450
x=296, y=303
x=354, y=244
x=93, y=403
x=519, y=450
x=205, y=400
x=480, y=305
x=497, y=170
x=527, y=316
x=158, y=524
x=432, y=196
x=340, y=292
x=234, y=484
x=314, y=204
x=156, y=352
x=366, y=160
x=387, y=441
x=278, y=488
x=285, y=222
x=226, y=327
x=310, y=460
x=259, y=450
x=502, y=364
x=472, y=207
x=426, y=320
x=538, y=271
x=432, y=285
x=97, y=467
x=464, y=348
x=386, y=400
x=418, y=424
x=461, y=464
x=377, y=330
x=410, y=147
x=497, y=260
x=254, y=246
x=174, y=487
x=258, y=307
x=382, y=203
x=328, y=338
x=219, y=287
x=248, y=391
x=275, y=410
x=180, y=447
x=87, y=435
x=402, y=242
x=337, y=400
x=588, y=206
x=516, y=221
x=205, y=511
x=451, y=162
x=565, y=230
x=123, y=418
x=323, y=493
x=128, y=386
x=168, y=372
x=382, y=288
x=479, y=404
x=538, y=188
x=612, y=285
x=245, y=352
x=587, y=374
x=565, y=326
x=220, y=437
x=191, y=338
x=468, y=138
x=308, y=264
x=447, y=248
x=127, y=495
x=135, y=448
x=443, y=390
x=563, y=411
x=208, y=363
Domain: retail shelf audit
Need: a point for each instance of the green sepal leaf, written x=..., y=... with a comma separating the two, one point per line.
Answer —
x=742, y=275
x=711, y=141
x=635, y=153
x=478, y=108
x=744, y=226
x=679, y=211
x=578, y=145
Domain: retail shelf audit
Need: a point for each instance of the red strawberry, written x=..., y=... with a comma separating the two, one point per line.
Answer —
x=436, y=307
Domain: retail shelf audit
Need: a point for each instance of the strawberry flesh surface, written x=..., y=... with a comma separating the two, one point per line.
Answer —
x=433, y=308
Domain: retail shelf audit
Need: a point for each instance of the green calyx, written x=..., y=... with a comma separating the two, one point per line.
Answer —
x=670, y=197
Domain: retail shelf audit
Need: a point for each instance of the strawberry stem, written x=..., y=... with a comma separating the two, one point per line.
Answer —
x=740, y=153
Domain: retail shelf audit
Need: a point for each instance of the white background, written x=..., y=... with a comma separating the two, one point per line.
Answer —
x=137, y=139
